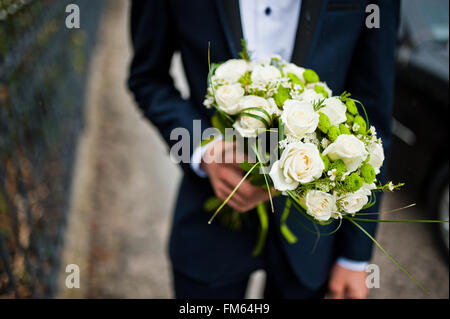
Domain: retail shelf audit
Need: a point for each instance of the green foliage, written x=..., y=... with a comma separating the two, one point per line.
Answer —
x=285, y=231
x=211, y=204
x=318, y=104
x=310, y=76
x=233, y=219
x=244, y=54
x=257, y=179
x=389, y=187
x=264, y=117
x=220, y=121
x=229, y=218
x=324, y=123
x=264, y=227
x=276, y=62
x=214, y=66
x=344, y=96
x=246, y=166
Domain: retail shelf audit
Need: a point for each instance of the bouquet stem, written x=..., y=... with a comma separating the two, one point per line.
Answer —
x=264, y=227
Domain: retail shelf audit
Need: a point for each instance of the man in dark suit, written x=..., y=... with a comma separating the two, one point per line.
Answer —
x=330, y=37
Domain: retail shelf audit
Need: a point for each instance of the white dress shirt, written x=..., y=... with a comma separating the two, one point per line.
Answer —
x=269, y=27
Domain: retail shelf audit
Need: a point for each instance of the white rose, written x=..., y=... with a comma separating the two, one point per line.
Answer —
x=349, y=149
x=248, y=126
x=320, y=205
x=299, y=118
x=376, y=153
x=352, y=203
x=300, y=163
x=335, y=110
x=228, y=97
x=311, y=96
x=232, y=70
x=294, y=69
x=263, y=74
x=251, y=65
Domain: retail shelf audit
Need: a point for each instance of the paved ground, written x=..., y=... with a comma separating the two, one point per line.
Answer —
x=126, y=185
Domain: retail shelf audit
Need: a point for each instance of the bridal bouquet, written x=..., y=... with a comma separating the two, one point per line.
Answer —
x=329, y=155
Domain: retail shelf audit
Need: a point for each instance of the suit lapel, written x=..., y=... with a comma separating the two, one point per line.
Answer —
x=230, y=18
x=307, y=25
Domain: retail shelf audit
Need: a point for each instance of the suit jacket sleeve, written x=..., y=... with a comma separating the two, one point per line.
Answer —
x=371, y=80
x=154, y=41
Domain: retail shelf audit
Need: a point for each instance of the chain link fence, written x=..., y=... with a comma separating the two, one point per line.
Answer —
x=43, y=68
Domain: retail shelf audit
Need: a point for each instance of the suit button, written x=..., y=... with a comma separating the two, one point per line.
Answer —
x=308, y=16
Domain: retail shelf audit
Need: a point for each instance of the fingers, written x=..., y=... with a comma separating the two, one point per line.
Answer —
x=336, y=290
x=246, y=197
x=345, y=283
x=246, y=190
x=224, y=152
x=357, y=292
x=236, y=201
x=343, y=291
x=226, y=176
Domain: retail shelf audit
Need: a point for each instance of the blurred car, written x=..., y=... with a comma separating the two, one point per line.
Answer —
x=419, y=154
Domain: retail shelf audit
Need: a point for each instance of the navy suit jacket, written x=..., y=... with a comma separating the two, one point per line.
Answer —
x=332, y=39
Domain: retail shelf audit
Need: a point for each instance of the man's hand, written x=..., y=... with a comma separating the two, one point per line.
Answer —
x=225, y=176
x=347, y=284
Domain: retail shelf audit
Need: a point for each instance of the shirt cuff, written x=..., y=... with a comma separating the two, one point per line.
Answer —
x=352, y=264
x=196, y=158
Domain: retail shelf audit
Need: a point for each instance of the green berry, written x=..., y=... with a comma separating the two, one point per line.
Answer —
x=333, y=133
x=351, y=107
x=340, y=168
x=350, y=118
x=321, y=90
x=353, y=182
x=281, y=96
x=324, y=123
x=295, y=79
x=310, y=76
x=245, y=79
x=344, y=129
x=367, y=173
x=361, y=123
